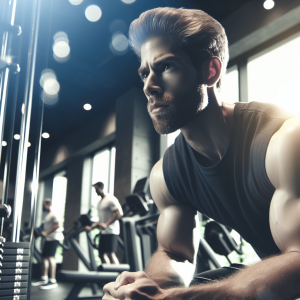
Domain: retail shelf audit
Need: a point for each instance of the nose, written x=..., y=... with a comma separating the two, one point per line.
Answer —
x=152, y=85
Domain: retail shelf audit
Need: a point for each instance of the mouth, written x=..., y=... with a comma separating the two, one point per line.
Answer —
x=157, y=108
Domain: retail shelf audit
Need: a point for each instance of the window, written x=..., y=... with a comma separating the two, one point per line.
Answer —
x=59, y=194
x=274, y=77
x=104, y=171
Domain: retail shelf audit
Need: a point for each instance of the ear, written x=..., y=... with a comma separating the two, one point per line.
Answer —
x=211, y=71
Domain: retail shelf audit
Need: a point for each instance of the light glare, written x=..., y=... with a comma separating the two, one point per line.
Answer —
x=17, y=137
x=4, y=143
x=51, y=87
x=61, y=49
x=93, y=13
x=28, y=144
x=87, y=106
x=75, y=2
x=269, y=4
x=46, y=135
x=119, y=42
x=128, y=1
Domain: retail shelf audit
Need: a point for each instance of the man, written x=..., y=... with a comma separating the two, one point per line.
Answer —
x=109, y=212
x=238, y=164
x=52, y=234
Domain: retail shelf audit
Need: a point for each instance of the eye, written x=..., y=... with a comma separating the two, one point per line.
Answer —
x=144, y=76
x=166, y=66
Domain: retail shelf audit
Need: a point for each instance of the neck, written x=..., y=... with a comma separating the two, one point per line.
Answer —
x=209, y=133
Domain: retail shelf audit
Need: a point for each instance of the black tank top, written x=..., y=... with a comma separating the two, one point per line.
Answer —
x=235, y=192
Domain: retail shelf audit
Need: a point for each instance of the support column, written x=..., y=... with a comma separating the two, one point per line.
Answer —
x=137, y=143
x=72, y=210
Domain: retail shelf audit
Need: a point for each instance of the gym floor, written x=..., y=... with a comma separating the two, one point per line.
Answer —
x=59, y=293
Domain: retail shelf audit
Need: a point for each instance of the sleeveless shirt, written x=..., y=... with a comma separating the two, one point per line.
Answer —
x=236, y=191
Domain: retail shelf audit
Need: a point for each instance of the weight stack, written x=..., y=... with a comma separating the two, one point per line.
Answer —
x=14, y=268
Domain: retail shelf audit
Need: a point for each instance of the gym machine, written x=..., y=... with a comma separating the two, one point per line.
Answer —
x=15, y=256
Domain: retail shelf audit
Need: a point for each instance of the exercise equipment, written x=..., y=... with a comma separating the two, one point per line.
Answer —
x=220, y=240
x=93, y=277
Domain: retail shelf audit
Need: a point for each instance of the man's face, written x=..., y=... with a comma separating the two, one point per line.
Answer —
x=99, y=191
x=46, y=206
x=172, y=85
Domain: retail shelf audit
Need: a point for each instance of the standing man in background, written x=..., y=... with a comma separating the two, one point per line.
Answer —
x=109, y=212
x=53, y=234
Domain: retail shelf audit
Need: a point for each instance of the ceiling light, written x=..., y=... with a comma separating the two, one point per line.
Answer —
x=269, y=4
x=93, y=13
x=17, y=137
x=4, y=143
x=75, y=2
x=87, y=106
x=128, y=1
x=46, y=135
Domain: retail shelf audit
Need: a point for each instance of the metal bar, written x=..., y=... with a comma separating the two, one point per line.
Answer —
x=34, y=194
x=10, y=12
x=6, y=173
x=25, y=126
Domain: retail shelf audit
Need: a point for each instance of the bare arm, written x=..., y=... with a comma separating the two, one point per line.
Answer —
x=172, y=264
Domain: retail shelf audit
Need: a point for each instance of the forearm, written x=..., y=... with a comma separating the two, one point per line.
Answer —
x=274, y=278
x=167, y=269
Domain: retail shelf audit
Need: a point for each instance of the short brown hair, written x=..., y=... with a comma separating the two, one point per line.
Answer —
x=194, y=31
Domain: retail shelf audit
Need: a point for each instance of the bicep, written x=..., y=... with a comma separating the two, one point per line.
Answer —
x=285, y=220
x=177, y=231
x=283, y=169
x=176, y=228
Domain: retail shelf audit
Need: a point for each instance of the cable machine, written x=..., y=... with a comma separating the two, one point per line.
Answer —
x=15, y=256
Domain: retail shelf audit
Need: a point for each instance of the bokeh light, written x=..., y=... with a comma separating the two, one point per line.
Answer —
x=49, y=99
x=46, y=135
x=50, y=87
x=119, y=43
x=17, y=137
x=61, y=48
x=28, y=144
x=4, y=143
x=269, y=4
x=93, y=13
x=87, y=106
x=128, y=1
x=75, y=2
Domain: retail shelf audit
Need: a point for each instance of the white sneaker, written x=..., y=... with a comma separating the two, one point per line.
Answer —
x=48, y=286
x=39, y=283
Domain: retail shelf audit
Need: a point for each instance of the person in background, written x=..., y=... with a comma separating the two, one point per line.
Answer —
x=53, y=234
x=109, y=212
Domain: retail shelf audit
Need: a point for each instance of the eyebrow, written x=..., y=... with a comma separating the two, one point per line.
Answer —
x=159, y=61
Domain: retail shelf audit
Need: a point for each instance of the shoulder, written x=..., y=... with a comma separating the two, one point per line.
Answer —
x=283, y=153
x=158, y=187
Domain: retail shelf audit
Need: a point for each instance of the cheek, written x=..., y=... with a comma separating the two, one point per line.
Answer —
x=180, y=83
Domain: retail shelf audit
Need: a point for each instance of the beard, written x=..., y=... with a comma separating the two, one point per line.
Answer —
x=182, y=110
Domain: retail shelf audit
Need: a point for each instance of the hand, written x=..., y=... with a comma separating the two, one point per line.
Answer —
x=103, y=225
x=44, y=233
x=137, y=286
x=88, y=228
